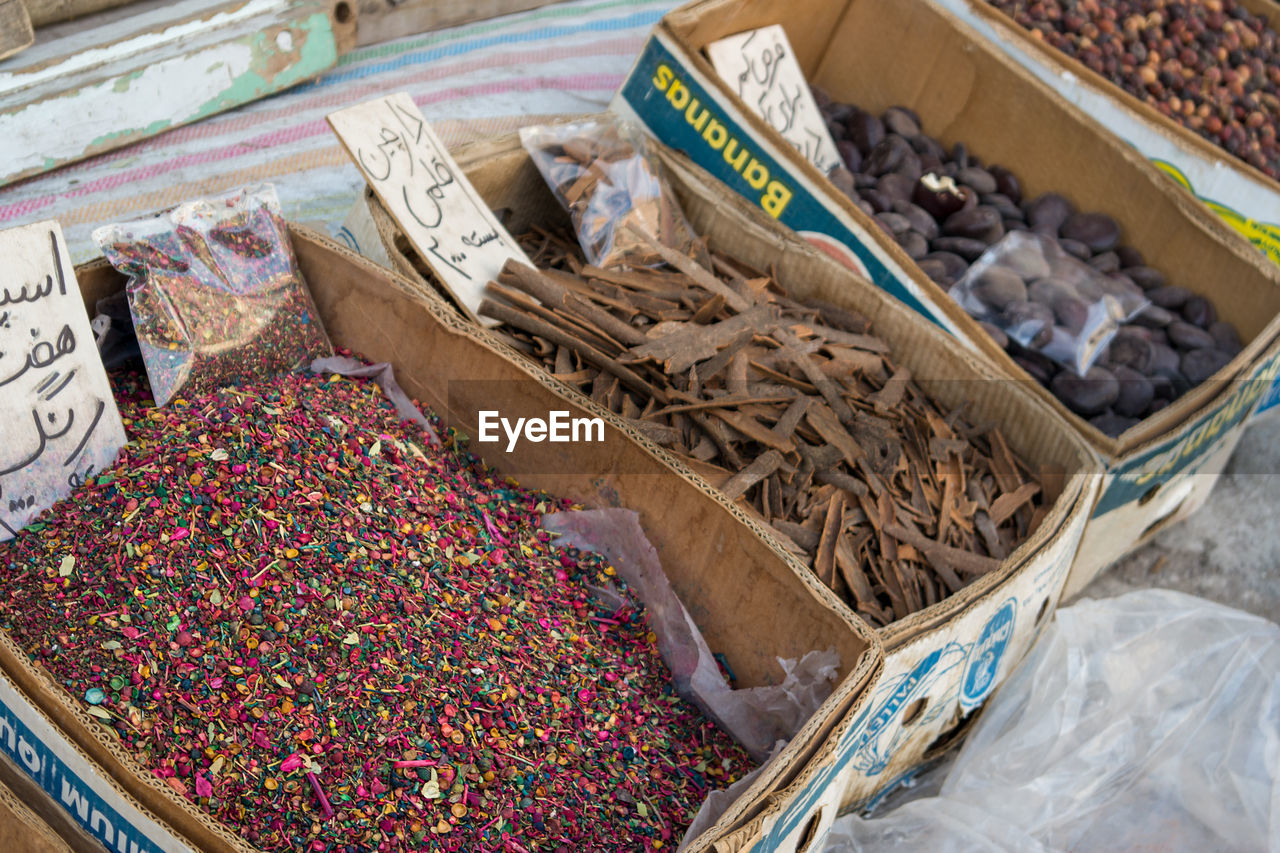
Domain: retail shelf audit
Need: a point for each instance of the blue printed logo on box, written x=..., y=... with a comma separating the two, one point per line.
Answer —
x=985, y=655
x=678, y=110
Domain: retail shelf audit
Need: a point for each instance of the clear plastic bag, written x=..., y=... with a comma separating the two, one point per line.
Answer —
x=1047, y=300
x=215, y=293
x=1150, y=721
x=757, y=717
x=604, y=174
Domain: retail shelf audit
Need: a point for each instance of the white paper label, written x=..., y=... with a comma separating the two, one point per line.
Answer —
x=58, y=420
x=760, y=67
x=426, y=193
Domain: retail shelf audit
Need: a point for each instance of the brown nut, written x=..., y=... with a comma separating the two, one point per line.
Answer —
x=1188, y=337
x=1048, y=212
x=1170, y=296
x=893, y=223
x=850, y=155
x=1225, y=337
x=973, y=223
x=842, y=179
x=1154, y=316
x=997, y=334
x=1046, y=291
x=1086, y=395
x=914, y=244
x=1145, y=277
x=1136, y=392
x=865, y=131
x=901, y=121
x=938, y=195
x=965, y=247
x=1113, y=424
x=933, y=268
x=1107, y=262
x=1096, y=230
x=1036, y=369
x=1076, y=249
x=886, y=156
x=921, y=221
x=998, y=288
x=1200, y=364
x=1071, y=314
x=979, y=180
x=1007, y=183
x=1131, y=351
x=896, y=186
x=1199, y=311
x=1029, y=323
x=955, y=265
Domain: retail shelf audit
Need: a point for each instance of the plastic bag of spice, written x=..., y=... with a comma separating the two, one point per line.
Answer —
x=1027, y=286
x=215, y=293
x=603, y=172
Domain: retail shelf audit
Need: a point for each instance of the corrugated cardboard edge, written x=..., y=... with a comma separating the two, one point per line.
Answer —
x=1188, y=140
x=132, y=780
x=20, y=828
x=1226, y=238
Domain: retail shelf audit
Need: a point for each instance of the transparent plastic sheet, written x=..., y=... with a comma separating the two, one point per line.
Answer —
x=1149, y=721
x=603, y=173
x=1027, y=286
x=757, y=717
x=215, y=293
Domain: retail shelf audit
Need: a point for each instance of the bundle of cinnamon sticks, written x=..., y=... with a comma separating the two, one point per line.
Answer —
x=796, y=411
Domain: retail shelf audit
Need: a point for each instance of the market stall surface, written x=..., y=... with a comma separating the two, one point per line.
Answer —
x=482, y=79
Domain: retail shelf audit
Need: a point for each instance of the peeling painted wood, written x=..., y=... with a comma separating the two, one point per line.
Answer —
x=382, y=20
x=46, y=12
x=15, y=28
x=91, y=88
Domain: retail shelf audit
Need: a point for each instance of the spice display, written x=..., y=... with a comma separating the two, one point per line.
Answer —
x=601, y=172
x=946, y=210
x=215, y=293
x=1210, y=65
x=794, y=410
x=330, y=634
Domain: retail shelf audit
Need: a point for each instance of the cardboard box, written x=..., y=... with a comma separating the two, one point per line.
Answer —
x=940, y=663
x=20, y=827
x=878, y=53
x=62, y=781
x=1247, y=199
x=751, y=604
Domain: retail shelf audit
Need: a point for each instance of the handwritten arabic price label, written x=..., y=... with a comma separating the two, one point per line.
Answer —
x=761, y=68
x=426, y=193
x=58, y=420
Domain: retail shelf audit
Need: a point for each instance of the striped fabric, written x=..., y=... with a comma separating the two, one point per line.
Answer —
x=472, y=81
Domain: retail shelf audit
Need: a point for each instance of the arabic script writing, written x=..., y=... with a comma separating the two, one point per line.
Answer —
x=58, y=420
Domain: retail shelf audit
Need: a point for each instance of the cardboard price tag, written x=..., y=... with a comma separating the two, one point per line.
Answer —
x=58, y=420
x=426, y=193
x=761, y=68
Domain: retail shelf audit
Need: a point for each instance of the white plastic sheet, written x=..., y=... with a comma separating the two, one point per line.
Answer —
x=757, y=717
x=1147, y=722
